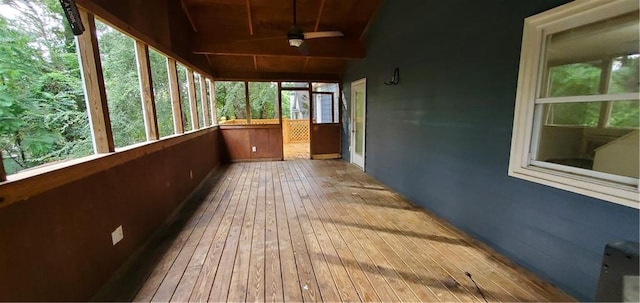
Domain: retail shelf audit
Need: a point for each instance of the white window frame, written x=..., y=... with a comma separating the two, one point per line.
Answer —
x=608, y=187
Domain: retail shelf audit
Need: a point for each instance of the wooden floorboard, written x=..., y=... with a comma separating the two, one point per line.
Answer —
x=304, y=230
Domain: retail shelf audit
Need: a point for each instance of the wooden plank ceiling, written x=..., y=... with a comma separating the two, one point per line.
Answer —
x=246, y=39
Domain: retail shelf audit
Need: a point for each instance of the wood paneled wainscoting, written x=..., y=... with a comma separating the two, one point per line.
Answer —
x=251, y=142
x=316, y=231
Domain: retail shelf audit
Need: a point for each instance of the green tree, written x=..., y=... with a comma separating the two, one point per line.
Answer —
x=230, y=100
x=42, y=111
x=263, y=100
x=117, y=54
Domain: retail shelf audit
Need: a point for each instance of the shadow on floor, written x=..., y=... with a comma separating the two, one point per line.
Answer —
x=450, y=284
x=408, y=233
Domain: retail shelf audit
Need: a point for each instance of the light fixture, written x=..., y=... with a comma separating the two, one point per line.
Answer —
x=295, y=42
x=395, y=79
x=295, y=36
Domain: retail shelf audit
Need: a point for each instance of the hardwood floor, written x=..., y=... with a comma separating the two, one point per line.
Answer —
x=315, y=231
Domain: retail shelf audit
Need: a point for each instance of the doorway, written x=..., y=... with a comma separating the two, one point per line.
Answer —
x=296, y=111
x=358, y=122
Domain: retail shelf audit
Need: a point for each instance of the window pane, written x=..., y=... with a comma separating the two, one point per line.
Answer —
x=43, y=115
x=326, y=107
x=295, y=84
x=573, y=114
x=625, y=114
x=230, y=102
x=575, y=58
x=212, y=109
x=624, y=74
x=577, y=79
x=184, y=97
x=295, y=104
x=199, y=100
x=263, y=100
x=581, y=144
x=161, y=92
x=117, y=53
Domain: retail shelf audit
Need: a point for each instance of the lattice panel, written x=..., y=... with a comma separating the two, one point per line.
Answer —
x=298, y=130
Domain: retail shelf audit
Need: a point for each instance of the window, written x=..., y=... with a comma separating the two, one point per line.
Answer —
x=199, y=99
x=184, y=97
x=117, y=54
x=577, y=113
x=231, y=103
x=212, y=106
x=161, y=93
x=263, y=102
x=325, y=102
x=43, y=116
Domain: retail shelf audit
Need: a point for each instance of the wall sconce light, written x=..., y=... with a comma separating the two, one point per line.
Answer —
x=396, y=77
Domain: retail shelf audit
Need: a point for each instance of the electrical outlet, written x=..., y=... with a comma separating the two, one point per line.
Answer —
x=117, y=235
x=253, y=149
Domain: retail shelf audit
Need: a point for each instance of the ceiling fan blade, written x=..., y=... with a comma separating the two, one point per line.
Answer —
x=329, y=34
x=304, y=50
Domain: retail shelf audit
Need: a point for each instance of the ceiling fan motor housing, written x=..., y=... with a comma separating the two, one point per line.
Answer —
x=295, y=33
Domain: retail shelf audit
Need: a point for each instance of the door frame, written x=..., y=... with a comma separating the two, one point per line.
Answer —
x=352, y=148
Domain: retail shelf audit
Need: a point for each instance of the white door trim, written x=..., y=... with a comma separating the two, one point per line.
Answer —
x=355, y=159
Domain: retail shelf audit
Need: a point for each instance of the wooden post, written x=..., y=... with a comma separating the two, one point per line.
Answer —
x=195, y=124
x=178, y=124
x=146, y=91
x=93, y=83
x=213, y=102
x=3, y=173
x=205, y=102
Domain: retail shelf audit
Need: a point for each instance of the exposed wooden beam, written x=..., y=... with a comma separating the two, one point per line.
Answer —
x=274, y=76
x=315, y=28
x=146, y=91
x=249, y=17
x=337, y=48
x=205, y=101
x=178, y=124
x=115, y=14
x=93, y=80
x=186, y=12
x=212, y=102
x=193, y=105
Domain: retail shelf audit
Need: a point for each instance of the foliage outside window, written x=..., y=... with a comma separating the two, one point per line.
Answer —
x=295, y=104
x=161, y=92
x=212, y=107
x=295, y=84
x=183, y=86
x=581, y=94
x=43, y=115
x=117, y=54
x=231, y=104
x=263, y=102
x=199, y=99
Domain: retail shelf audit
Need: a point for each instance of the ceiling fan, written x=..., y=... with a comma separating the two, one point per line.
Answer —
x=296, y=36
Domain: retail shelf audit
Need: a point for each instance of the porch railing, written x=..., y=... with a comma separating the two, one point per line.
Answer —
x=293, y=131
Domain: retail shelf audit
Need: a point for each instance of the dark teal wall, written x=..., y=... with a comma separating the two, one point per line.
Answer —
x=442, y=137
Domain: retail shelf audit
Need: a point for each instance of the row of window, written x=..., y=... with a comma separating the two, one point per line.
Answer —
x=243, y=103
x=47, y=119
x=43, y=113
